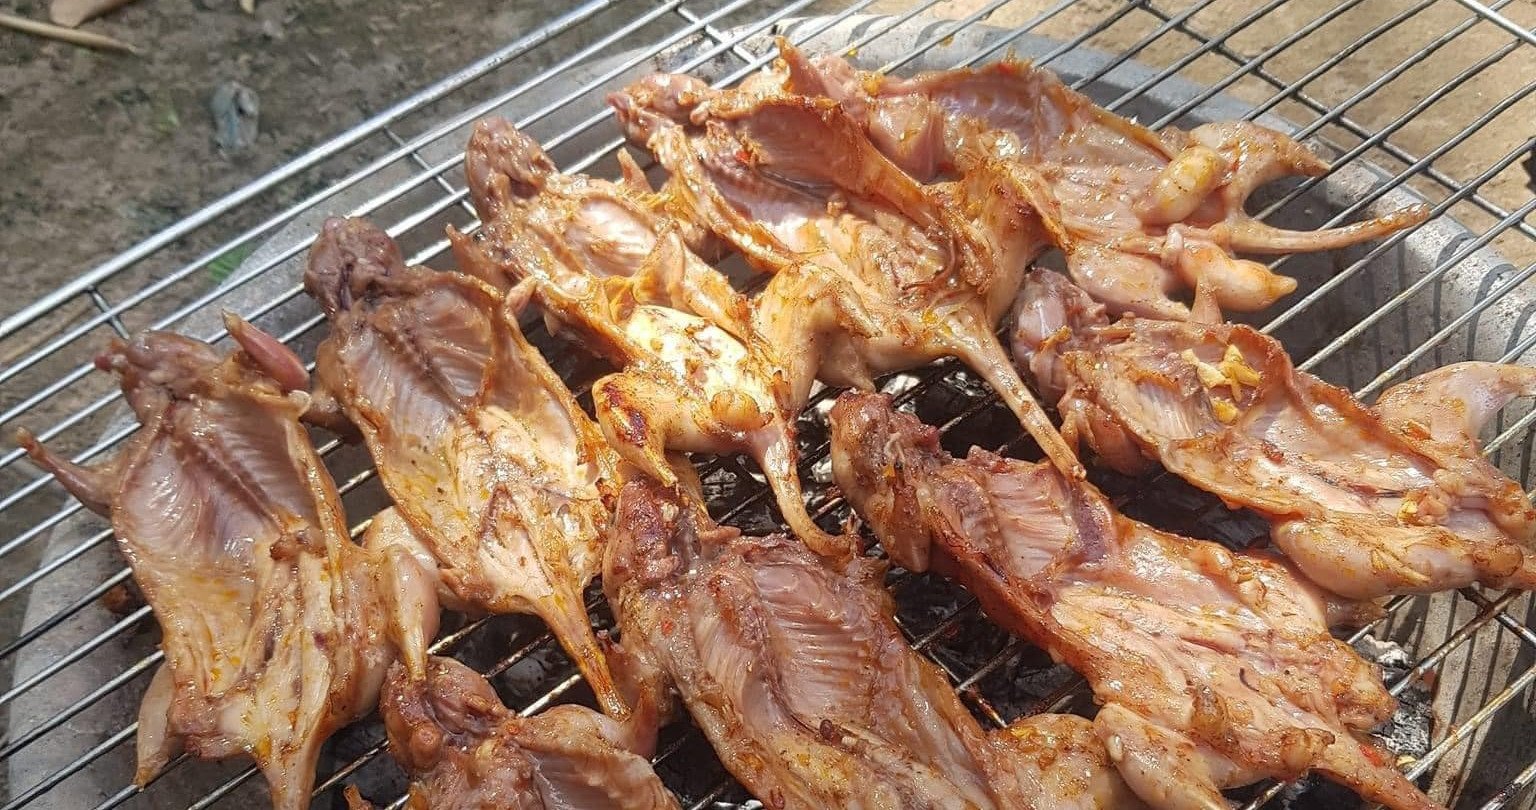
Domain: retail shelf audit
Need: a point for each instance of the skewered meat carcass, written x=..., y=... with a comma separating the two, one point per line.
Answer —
x=465, y=750
x=1140, y=215
x=880, y=273
x=277, y=628
x=488, y=458
x=694, y=377
x=1213, y=669
x=796, y=672
x=1366, y=501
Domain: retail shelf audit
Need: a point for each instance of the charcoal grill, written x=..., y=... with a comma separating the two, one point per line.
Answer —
x=1336, y=74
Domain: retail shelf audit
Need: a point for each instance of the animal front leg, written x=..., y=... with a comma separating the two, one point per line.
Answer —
x=637, y=413
x=410, y=601
x=157, y=743
x=95, y=485
x=674, y=277
x=1454, y=402
x=1165, y=769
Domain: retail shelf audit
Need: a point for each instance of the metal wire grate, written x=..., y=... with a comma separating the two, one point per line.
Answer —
x=1422, y=97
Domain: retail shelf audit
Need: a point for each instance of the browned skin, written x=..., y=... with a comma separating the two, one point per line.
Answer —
x=487, y=456
x=277, y=629
x=875, y=272
x=1213, y=669
x=794, y=669
x=695, y=375
x=1367, y=501
x=1142, y=216
x=464, y=750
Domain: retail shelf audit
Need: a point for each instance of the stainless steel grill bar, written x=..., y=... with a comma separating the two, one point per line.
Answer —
x=1516, y=787
x=1327, y=64
x=1377, y=138
x=74, y=655
x=966, y=681
x=208, y=298
x=443, y=128
x=90, y=598
x=53, y=779
x=1438, y=209
x=329, y=148
x=1418, y=285
x=1429, y=100
x=1010, y=38
x=133, y=671
x=944, y=33
x=1494, y=296
x=1500, y=20
x=1485, y=614
x=1209, y=45
x=1245, y=68
x=1520, y=427
x=1460, y=733
x=105, y=308
x=713, y=33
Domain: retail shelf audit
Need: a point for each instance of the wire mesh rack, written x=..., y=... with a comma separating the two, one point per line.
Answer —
x=1421, y=98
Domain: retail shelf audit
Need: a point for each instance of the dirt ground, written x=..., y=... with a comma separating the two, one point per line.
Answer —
x=99, y=151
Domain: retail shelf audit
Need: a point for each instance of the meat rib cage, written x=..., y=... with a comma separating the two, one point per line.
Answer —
x=1364, y=318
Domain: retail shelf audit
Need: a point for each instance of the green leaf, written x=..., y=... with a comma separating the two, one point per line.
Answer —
x=226, y=264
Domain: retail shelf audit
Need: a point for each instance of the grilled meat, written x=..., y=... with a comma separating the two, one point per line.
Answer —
x=694, y=377
x=881, y=272
x=487, y=456
x=1213, y=669
x=601, y=228
x=277, y=629
x=464, y=750
x=796, y=672
x=1140, y=215
x=389, y=531
x=1395, y=499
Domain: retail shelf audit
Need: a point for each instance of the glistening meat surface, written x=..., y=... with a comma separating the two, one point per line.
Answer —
x=874, y=272
x=1367, y=501
x=1142, y=216
x=487, y=456
x=464, y=750
x=694, y=376
x=277, y=629
x=796, y=672
x=1213, y=669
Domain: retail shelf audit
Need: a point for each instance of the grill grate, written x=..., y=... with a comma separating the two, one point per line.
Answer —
x=1342, y=72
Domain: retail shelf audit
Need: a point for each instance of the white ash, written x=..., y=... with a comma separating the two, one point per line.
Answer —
x=1408, y=733
x=1388, y=654
x=821, y=471
x=899, y=384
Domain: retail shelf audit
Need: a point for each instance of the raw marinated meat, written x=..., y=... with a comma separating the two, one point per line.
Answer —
x=1213, y=669
x=807, y=690
x=694, y=376
x=897, y=274
x=465, y=750
x=277, y=628
x=1366, y=501
x=1142, y=216
x=487, y=456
